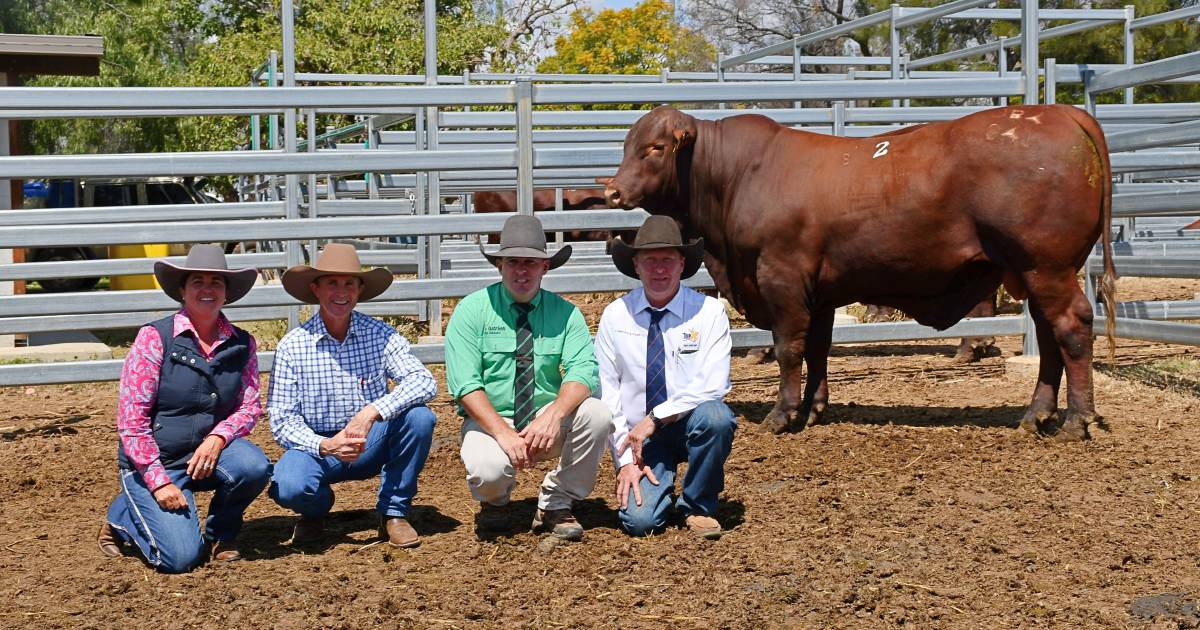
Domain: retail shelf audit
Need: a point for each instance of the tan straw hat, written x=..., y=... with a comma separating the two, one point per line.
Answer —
x=336, y=259
x=203, y=258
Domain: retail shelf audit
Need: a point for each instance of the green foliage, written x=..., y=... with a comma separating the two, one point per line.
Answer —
x=639, y=40
x=220, y=43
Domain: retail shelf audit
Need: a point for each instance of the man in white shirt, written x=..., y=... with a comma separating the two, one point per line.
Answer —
x=663, y=351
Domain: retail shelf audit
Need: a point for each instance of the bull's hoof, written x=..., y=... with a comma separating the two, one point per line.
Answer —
x=759, y=356
x=1034, y=421
x=813, y=418
x=1075, y=429
x=776, y=422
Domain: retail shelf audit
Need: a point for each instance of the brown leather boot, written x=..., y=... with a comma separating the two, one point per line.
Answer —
x=398, y=533
x=560, y=523
x=110, y=545
x=703, y=526
x=225, y=551
x=308, y=530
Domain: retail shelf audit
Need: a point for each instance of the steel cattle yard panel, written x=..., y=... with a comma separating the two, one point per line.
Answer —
x=568, y=155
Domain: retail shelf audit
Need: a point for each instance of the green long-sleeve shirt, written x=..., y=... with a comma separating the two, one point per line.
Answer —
x=481, y=343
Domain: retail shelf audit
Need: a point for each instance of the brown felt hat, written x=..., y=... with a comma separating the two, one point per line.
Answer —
x=203, y=258
x=337, y=259
x=656, y=233
x=523, y=237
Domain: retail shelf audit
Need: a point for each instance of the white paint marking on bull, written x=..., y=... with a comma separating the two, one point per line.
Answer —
x=1034, y=119
x=1011, y=134
x=1016, y=113
x=881, y=149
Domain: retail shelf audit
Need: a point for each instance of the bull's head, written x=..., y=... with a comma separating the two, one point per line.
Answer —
x=654, y=170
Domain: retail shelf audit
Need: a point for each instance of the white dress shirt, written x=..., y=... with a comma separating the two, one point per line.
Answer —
x=695, y=341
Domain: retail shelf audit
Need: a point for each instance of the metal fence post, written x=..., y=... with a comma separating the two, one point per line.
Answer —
x=558, y=207
x=720, y=75
x=1029, y=66
x=292, y=181
x=524, y=145
x=311, y=123
x=434, y=200
x=419, y=207
x=797, y=70
x=1130, y=12
x=894, y=46
x=1002, y=69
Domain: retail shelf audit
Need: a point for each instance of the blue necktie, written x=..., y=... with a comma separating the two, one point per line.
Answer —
x=656, y=363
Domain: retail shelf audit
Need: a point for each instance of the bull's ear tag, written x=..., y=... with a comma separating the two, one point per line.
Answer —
x=881, y=149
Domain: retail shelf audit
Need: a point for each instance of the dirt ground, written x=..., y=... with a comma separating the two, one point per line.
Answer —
x=917, y=503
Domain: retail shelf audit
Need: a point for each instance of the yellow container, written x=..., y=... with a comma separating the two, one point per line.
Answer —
x=143, y=281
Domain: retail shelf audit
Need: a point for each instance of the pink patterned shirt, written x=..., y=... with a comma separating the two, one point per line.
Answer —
x=139, y=389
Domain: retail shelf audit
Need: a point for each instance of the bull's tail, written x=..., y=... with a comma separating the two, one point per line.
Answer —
x=1108, y=280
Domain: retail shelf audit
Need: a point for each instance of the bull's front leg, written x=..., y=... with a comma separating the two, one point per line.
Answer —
x=790, y=344
x=816, y=356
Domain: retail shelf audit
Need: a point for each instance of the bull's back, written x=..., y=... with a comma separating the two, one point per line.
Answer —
x=996, y=185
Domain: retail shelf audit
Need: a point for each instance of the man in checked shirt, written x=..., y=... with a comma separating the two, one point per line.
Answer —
x=519, y=362
x=329, y=402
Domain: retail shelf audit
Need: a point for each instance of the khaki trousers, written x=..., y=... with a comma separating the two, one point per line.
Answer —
x=580, y=446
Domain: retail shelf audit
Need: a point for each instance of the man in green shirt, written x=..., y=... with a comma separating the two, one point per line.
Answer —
x=519, y=361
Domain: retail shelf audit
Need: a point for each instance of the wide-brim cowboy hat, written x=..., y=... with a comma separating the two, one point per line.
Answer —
x=656, y=233
x=204, y=259
x=523, y=237
x=337, y=259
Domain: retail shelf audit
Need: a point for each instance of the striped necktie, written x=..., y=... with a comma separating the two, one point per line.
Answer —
x=656, y=377
x=523, y=385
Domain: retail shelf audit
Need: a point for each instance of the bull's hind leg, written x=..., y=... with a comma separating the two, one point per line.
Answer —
x=1043, y=409
x=1057, y=298
x=789, y=352
x=816, y=357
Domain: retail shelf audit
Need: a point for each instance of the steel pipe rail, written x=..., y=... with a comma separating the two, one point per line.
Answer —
x=1163, y=18
x=1147, y=330
x=147, y=213
x=252, y=162
x=124, y=266
x=274, y=295
x=1152, y=72
x=1171, y=135
x=1004, y=14
x=1167, y=160
x=1158, y=311
x=776, y=91
x=278, y=98
x=913, y=16
x=1148, y=266
x=301, y=229
x=1165, y=112
x=1164, y=203
x=110, y=370
x=1050, y=33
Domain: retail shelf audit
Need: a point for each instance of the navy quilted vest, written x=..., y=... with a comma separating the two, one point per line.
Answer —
x=194, y=394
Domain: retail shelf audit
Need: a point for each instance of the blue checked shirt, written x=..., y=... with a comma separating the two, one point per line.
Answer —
x=319, y=383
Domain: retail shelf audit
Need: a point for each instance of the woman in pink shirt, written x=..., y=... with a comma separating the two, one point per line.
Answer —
x=189, y=391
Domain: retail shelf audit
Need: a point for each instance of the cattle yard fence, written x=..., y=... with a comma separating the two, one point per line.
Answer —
x=494, y=131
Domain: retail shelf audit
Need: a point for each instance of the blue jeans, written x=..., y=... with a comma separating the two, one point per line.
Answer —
x=395, y=450
x=170, y=540
x=703, y=439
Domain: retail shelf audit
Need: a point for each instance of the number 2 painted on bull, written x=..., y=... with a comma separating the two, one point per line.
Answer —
x=881, y=149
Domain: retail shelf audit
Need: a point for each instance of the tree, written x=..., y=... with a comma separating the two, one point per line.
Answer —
x=638, y=40
x=530, y=27
x=219, y=43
